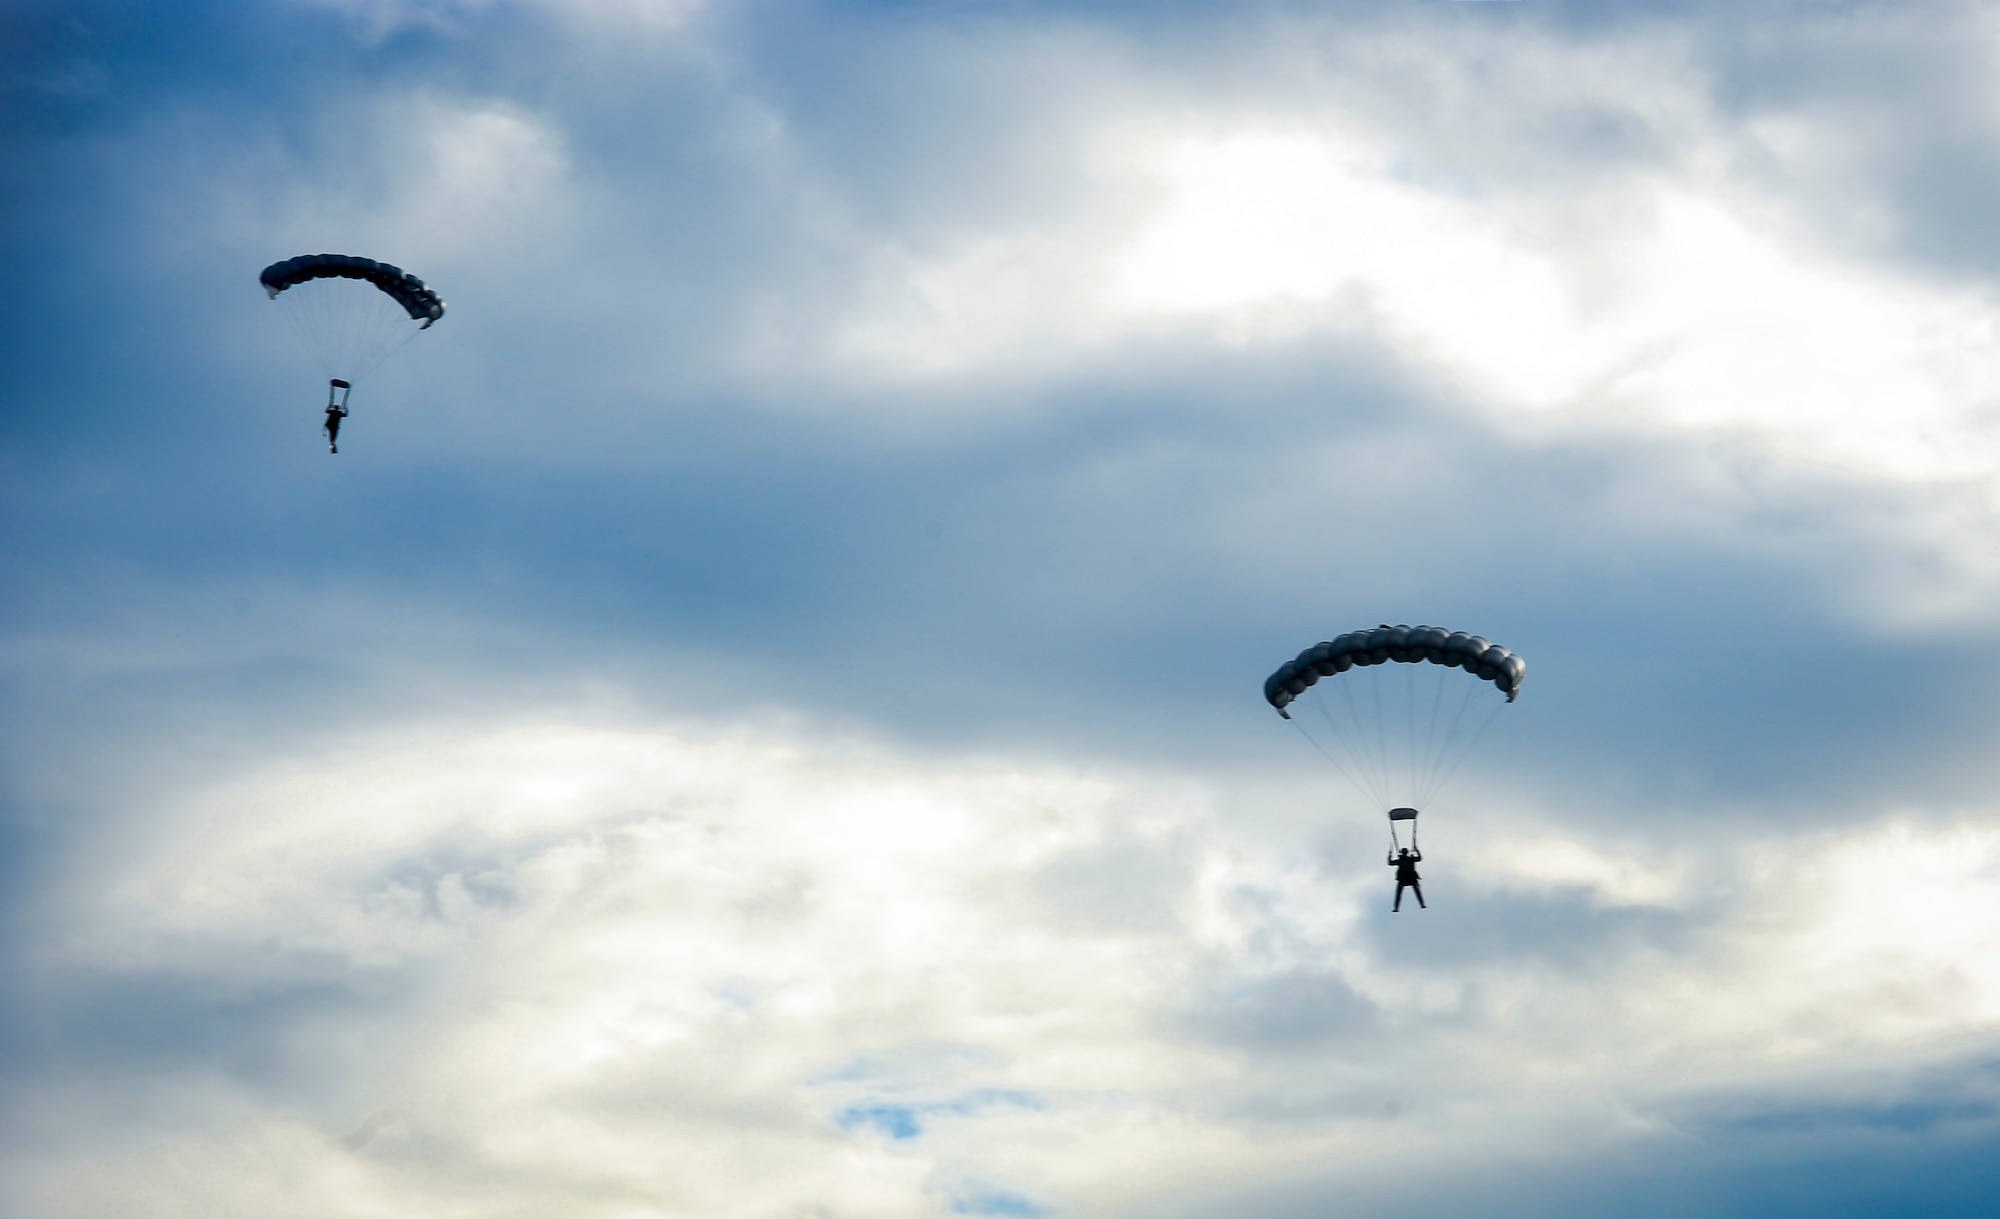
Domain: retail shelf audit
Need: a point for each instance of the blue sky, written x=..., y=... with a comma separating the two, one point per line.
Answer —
x=761, y=717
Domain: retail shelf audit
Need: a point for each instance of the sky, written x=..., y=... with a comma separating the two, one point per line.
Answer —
x=762, y=718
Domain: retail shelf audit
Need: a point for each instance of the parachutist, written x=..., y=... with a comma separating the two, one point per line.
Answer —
x=1405, y=862
x=335, y=412
x=353, y=312
x=1398, y=738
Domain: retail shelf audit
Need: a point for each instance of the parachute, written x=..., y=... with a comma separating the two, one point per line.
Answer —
x=1396, y=709
x=352, y=313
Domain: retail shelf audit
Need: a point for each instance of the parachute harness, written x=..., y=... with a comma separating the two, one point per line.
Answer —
x=1394, y=843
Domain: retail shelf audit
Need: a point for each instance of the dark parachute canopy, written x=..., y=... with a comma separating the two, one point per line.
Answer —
x=1401, y=645
x=352, y=313
x=422, y=304
x=1389, y=713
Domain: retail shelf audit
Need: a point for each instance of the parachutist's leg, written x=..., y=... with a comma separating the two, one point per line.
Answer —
x=1420, y=897
x=1398, y=907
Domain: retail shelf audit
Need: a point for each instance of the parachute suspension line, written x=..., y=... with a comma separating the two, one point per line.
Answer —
x=1381, y=734
x=1440, y=749
x=308, y=319
x=1368, y=744
x=1492, y=714
x=348, y=326
x=1399, y=756
x=325, y=323
x=407, y=328
x=1355, y=743
x=410, y=333
x=1329, y=757
x=1421, y=744
x=1437, y=704
x=1410, y=706
x=1443, y=742
x=300, y=328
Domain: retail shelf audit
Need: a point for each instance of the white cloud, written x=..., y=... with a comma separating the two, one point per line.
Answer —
x=1687, y=310
x=1886, y=937
x=439, y=180
x=1678, y=296
x=647, y=970
x=632, y=969
x=1556, y=863
x=736, y=938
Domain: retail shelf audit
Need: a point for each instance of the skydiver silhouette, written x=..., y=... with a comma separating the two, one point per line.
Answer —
x=334, y=414
x=1405, y=862
x=336, y=410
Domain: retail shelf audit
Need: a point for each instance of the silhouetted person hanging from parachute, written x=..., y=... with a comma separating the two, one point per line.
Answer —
x=1405, y=862
x=1392, y=716
x=335, y=412
x=353, y=313
x=1405, y=858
